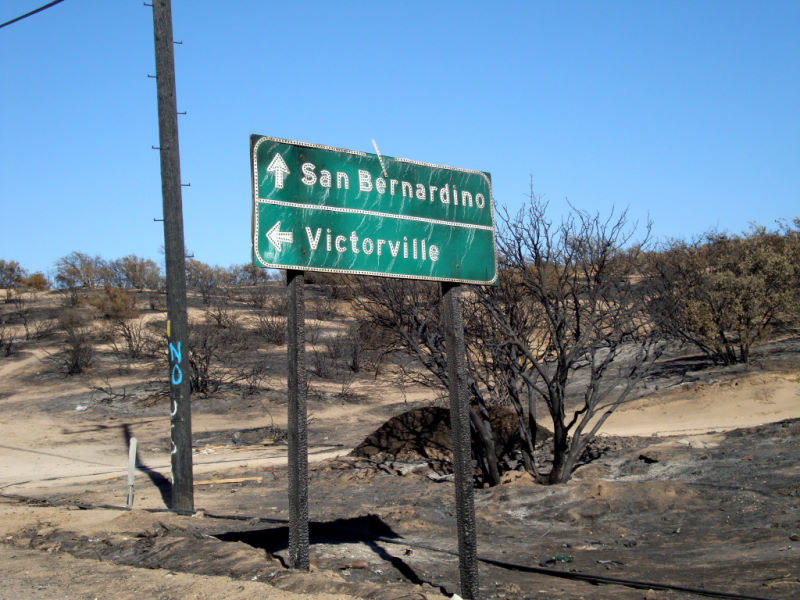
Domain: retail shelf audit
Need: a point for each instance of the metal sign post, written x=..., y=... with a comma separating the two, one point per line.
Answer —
x=131, y=471
x=461, y=440
x=298, y=439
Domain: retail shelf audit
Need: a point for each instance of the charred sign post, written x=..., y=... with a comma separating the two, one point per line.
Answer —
x=320, y=208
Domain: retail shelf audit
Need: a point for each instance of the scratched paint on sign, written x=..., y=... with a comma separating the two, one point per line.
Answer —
x=318, y=208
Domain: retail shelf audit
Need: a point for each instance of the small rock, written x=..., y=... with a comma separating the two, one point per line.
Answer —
x=795, y=537
x=402, y=468
x=44, y=531
x=610, y=563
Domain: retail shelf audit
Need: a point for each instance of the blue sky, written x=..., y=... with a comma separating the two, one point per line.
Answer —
x=684, y=111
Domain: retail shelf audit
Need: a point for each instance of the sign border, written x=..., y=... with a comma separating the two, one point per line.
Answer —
x=255, y=142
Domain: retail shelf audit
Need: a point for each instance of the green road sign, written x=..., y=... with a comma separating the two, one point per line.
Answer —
x=318, y=208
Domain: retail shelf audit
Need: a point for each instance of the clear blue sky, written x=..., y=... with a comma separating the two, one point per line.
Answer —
x=688, y=112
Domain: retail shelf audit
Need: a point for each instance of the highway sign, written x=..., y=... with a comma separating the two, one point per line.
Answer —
x=319, y=208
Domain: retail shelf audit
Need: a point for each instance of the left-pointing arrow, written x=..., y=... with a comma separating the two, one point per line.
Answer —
x=277, y=166
x=278, y=237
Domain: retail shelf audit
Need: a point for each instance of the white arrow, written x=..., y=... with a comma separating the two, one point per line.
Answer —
x=277, y=167
x=278, y=237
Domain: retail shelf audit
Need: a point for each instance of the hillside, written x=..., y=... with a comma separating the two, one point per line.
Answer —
x=693, y=484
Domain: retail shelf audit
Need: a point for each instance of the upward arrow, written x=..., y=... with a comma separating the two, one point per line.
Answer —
x=277, y=167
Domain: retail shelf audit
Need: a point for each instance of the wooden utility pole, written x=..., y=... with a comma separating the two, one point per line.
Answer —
x=182, y=497
x=298, y=426
x=460, y=435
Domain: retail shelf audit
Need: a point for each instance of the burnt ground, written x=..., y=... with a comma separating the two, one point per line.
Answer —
x=718, y=512
x=713, y=511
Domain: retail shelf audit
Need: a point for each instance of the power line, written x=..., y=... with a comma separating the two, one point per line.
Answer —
x=33, y=12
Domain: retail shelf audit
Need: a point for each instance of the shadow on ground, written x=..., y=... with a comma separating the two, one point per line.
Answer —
x=365, y=529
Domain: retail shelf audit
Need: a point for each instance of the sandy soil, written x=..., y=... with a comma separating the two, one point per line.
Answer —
x=744, y=402
x=63, y=443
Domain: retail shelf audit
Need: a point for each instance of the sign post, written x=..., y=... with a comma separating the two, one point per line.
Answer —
x=326, y=209
x=461, y=439
x=298, y=425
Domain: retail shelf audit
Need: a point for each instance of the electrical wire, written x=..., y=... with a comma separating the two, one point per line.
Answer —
x=574, y=575
x=33, y=12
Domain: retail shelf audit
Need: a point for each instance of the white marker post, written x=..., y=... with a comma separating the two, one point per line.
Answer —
x=131, y=470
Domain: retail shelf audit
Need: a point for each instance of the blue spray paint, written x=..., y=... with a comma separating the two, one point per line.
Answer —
x=176, y=376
